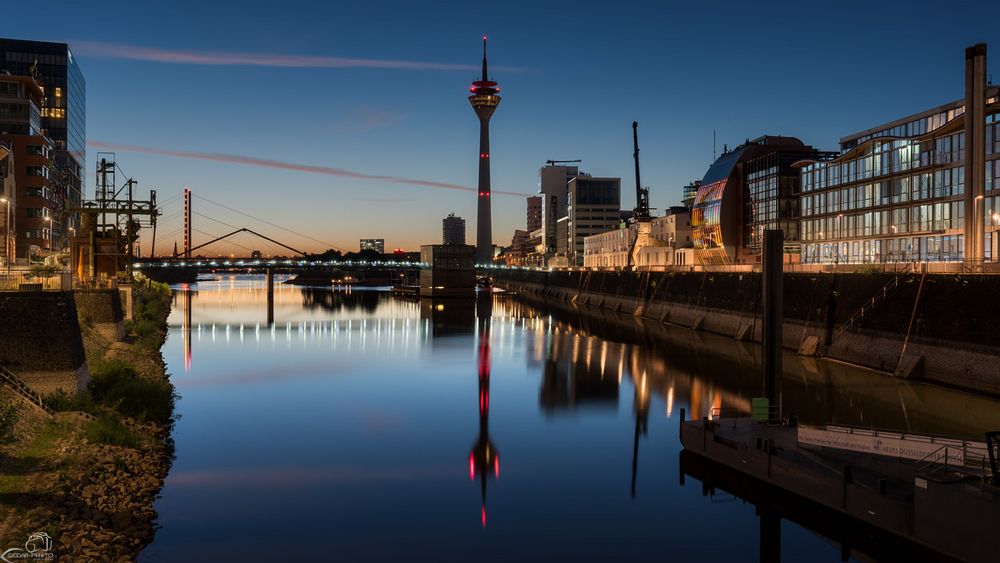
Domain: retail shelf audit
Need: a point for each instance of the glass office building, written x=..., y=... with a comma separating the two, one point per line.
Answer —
x=63, y=113
x=896, y=193
x=772, y=202
x=746, y=190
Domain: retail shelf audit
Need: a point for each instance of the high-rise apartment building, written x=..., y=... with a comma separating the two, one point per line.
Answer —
x=7, y=194
x=553, y=181
x=534, y=216
x=593, y=206
x=63, y=119
x=453, y=229
x=30, y=205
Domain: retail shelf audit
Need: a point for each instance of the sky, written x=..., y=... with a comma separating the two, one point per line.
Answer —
x=336, y=121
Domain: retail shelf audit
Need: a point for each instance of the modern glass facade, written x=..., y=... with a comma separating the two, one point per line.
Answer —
x=63, y=112
x=772, y=202
x=706, y=222
x=896, y=193
x=747, y=190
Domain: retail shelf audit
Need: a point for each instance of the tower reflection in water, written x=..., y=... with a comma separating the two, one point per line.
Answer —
x=484, y=460
x=459, y=318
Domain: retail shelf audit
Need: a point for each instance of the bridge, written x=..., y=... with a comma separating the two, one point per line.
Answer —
x=272, y=263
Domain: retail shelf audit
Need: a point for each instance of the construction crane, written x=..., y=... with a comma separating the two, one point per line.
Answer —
x=553, y=162
x=641, y=212
x=640, y=220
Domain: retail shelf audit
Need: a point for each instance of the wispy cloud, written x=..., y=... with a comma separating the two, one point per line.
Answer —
x=367, y=118
x=99, y=49
x=282, y=165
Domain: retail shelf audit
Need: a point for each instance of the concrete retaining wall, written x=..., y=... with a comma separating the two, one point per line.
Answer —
x=40, y=340
x=951, y=331
x=102, y=309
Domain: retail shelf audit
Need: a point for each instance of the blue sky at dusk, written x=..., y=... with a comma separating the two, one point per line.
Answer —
x=573, y=76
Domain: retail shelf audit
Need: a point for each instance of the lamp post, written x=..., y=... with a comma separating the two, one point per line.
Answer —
x=6, y=238
x=49, y=221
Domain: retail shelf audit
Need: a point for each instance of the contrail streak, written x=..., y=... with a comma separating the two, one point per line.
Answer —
x=268, y=163
x=98, y=49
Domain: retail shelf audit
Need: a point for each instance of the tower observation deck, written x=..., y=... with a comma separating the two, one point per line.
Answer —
x=484, y=100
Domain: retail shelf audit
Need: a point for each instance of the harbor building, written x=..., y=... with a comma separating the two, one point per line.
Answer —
x=8, y=189
x=746, y=190
x=912, y=190
x=453, y=230
x=30, y=205
x=63, y=120
x=669, y=245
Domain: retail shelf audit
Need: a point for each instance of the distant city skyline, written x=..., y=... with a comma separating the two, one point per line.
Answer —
x=348, y=122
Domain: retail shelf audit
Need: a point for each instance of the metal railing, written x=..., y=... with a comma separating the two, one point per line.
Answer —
x=27, y=281
x=879, y=296
x=16, y=384
x=773, y=412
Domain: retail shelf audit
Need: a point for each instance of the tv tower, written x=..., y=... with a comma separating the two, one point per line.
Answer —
x=484, y=100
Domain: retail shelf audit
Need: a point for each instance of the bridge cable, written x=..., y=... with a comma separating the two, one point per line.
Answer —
x=305, y=236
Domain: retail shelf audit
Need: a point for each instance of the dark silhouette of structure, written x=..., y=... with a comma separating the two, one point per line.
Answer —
x=484, y=100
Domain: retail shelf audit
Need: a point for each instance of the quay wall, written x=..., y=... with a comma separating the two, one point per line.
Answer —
x=40, y=340
x=948, y=323
x=102, y=309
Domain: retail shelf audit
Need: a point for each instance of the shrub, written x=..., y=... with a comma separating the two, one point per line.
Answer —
x=61, y=401
x=108, y=429
x=10, y=413
x=117, y=385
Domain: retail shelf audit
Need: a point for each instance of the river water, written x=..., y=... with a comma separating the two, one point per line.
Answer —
x=361, y=427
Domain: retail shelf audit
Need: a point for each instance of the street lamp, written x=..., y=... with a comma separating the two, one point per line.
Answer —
x=49, y=221
x=6, y=238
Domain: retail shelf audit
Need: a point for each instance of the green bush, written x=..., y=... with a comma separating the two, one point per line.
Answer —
x=108, y=429
x=61, y=401
x=117, y=385
x=10, y=413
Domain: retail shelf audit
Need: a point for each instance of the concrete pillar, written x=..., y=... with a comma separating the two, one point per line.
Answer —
x=975, y=153
x=270, y=297
x=773, y=315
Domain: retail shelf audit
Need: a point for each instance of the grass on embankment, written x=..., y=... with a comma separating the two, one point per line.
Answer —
x=117, y=388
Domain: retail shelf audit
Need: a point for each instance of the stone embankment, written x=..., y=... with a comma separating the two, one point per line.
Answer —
x=935, y=328
x=89, y=479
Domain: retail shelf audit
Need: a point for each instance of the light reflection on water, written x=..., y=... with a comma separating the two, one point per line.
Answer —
x=343, y=428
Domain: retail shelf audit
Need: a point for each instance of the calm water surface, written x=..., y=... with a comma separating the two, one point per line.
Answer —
x=365, y=428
